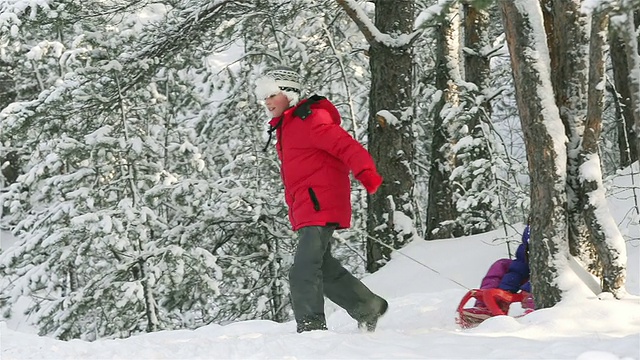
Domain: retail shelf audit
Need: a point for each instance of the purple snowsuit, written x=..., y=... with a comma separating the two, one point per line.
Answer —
x=510, y=275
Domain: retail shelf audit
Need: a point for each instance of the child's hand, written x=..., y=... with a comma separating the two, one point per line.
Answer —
x=370, y=179
x=527, y=301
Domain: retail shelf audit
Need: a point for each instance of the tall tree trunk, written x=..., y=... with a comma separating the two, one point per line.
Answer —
x=481, y=214
x=477, y=68
x=628, y=34
x=627, y=138
x=390, y=129
x=626, y=135
x=546, y=149
x=606, y=237
x=441, y=208
x=391, y=143
x=568, y=41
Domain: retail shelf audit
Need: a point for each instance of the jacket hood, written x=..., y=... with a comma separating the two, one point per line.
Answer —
x=523, y=248
x=526, y=234
x=328, y=106
x=521, y=253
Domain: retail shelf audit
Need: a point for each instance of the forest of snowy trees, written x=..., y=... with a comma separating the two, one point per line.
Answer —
x=133, y=170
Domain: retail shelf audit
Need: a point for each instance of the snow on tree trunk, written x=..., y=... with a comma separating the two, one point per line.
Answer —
x=568, y=41
x=441, y=209
x=545, y=143
x=151, y=308
x=605, y=236
x=477, y=68
x=277, y=295
x=391, y=143
x=462, y=181
x=475, y=180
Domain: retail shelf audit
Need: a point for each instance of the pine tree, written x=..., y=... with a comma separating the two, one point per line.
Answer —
x=97, y=199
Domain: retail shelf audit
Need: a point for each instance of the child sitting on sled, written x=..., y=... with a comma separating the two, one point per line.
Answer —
x=509, y=275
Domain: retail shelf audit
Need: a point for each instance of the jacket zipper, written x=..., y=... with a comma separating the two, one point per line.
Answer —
x=279, y=134
x=314, y=199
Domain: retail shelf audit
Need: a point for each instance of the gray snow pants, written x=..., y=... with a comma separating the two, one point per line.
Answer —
x=315, y=272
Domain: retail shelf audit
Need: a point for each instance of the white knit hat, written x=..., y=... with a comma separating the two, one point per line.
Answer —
x=281, y=78
x=286, y=77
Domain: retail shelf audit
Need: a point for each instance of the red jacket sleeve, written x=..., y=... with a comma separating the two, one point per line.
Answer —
x=330, y=137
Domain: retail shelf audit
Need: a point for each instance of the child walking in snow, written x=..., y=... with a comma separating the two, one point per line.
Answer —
x=316, y=157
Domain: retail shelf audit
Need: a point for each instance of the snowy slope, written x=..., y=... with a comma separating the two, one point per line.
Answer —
x=420, y=323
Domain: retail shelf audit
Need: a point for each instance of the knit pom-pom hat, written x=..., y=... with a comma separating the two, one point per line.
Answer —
x=280, y=79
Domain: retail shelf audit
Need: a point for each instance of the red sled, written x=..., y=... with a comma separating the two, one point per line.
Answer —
x=496, y=300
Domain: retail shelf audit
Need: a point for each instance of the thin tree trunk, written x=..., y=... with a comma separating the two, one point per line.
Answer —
x=626, y=134
x=606, y=237
x=151, y=308
x=276, y=292
x=628, y=33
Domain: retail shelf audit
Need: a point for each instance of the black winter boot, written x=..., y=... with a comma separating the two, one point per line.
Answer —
x=311, y=323
x=369, y=321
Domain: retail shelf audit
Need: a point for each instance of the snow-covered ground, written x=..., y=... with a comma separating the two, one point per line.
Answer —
x=424, y=284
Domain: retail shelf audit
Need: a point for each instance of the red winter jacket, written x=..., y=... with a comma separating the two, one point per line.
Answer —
x=316, y=155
